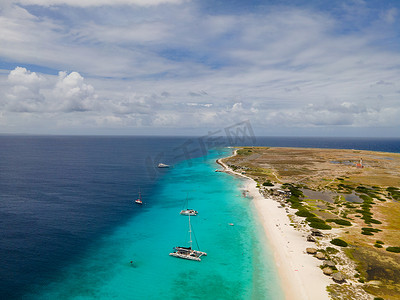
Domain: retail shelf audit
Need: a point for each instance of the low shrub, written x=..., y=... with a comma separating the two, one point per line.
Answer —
x=379, y=242
x=331, y=250
x=320, y=226
x=315, y=220
x=378, y=246
x=366, y=233
x=304, y=213
x=339, y=242
x=370, y=229
x=268, y=183
x=393, y=249
x=339, y=222
x=394, y=192
x=375, y=221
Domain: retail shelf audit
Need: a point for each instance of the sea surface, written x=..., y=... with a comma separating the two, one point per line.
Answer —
x=70, y=229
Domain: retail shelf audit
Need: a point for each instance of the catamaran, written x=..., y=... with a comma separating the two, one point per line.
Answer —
x=188, y=252
x=188, y=211
x=139, y=200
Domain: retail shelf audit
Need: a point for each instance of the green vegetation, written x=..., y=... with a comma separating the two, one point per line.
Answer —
x=331, y=250
x=366, y=209
x=339, y=222
x=322, y=226
x=244, y=151
x=378, y=246
x=268, y=183
x=394, y=192
x=339, y=242
x=369, y=230
x=304, y=213
x=315, y=220
x=379, y=242
x=393, y=249
x=317, y=223
x=347, y=187
x=349, y=205
x=295, y=191
x=367, y=233
x=295, y=202
x=372, y=192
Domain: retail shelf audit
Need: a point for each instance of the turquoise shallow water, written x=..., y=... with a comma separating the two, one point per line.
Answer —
x=238, y=265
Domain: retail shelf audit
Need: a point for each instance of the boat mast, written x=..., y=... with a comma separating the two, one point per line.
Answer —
x=190, y=234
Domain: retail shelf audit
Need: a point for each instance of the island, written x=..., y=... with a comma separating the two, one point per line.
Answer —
x=332, y=217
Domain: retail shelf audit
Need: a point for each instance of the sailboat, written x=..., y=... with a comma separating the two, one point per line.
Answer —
x=139, y=200
x=188, y=252
x=188, y=211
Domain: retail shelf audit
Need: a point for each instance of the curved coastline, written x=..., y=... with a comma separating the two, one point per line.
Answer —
x=299, y=272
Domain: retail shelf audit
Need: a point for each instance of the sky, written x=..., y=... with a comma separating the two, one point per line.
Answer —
x=191, y=67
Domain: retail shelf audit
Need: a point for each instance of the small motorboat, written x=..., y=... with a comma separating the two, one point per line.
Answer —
x=161, y=165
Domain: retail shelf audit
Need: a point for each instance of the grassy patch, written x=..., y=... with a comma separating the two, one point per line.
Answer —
x=244, y=152
x=339, y=242
x=374, y=264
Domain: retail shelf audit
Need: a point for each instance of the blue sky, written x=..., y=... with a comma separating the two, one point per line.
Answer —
x=187, y=67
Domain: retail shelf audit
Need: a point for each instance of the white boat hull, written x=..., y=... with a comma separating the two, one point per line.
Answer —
x=189, y=212
x=184, y=256
x=186, y=253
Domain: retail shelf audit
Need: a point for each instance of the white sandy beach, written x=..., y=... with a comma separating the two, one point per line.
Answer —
x=301, y=278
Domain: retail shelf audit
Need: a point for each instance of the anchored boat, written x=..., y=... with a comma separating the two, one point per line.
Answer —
x=139, y=200
x=188, y=252
x=188, y=211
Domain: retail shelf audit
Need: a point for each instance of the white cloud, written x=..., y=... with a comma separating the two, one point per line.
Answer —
x=21, y=76
x=91, y=3
x=177, y=67
x=29, y=92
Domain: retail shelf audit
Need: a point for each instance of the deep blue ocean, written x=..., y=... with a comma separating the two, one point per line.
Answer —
x=69, y=227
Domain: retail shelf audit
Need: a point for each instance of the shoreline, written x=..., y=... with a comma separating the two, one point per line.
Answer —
x=299, y=272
